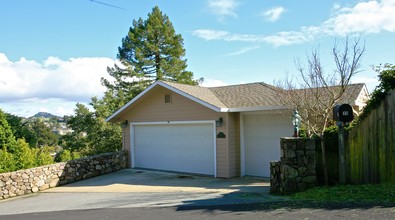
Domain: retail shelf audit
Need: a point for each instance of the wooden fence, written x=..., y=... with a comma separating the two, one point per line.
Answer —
x=370, y=147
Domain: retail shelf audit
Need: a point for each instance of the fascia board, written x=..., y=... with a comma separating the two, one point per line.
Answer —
x=259, y=108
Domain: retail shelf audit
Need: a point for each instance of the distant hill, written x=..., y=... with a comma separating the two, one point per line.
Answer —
x=45, y=115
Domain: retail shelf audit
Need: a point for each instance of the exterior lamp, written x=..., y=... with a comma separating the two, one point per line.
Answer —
x=219, y=122
x=296, y=120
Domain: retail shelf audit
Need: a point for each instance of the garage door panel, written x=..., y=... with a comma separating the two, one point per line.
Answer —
x=175, y=147
x=262, y=135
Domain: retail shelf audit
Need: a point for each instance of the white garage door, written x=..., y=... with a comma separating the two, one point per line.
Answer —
x=175, y=147
x=262, y=135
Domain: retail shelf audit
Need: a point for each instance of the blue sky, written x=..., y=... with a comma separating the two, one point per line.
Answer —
x=53, y=53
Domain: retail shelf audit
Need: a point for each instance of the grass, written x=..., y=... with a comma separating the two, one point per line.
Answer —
x=372, y=193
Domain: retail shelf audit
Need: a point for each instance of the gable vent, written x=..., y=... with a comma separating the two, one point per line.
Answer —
x=168, y=99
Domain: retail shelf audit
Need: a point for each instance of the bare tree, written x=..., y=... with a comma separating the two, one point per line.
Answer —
x=314, y=92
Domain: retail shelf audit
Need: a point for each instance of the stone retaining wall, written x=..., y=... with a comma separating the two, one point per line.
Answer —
x=295, y=171
x=40, y=178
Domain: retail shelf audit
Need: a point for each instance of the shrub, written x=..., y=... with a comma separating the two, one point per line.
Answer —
x=7, y=162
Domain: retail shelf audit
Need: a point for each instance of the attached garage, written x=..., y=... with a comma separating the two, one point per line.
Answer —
x=262, y=133
x=222, y=131
x=175, y=146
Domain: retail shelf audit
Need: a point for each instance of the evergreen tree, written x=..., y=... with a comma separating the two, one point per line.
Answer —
x=7, y=139
x=92, y=135
x=21, y=129
x=151, y=51
x=43, y=134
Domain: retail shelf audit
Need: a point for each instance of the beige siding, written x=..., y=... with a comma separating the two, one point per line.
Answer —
x=153, y=109
x=222, y=158
x=126, y=142
x=234, y=144
x=222, y=152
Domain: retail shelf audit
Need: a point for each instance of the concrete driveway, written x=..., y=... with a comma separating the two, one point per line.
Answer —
x=142, y=188
x=134, y=180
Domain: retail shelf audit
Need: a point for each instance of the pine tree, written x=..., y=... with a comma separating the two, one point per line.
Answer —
x=151, y=51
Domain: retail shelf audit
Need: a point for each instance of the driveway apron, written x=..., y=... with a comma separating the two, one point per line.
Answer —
x=142, y=188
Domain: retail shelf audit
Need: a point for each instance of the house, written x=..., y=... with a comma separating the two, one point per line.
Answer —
x=222, y=131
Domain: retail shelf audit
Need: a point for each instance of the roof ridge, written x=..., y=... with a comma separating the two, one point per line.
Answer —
x=234, y=85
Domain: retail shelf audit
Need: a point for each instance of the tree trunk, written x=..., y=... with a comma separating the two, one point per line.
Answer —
x=324, y=166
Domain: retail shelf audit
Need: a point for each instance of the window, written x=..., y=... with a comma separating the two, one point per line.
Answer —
x=168, y=99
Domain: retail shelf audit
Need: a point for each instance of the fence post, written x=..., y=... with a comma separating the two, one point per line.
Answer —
x=342, y=167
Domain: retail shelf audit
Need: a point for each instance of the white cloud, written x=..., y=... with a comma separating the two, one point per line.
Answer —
x=210, y=34
x=76, y=79
x=364, y=17
x=273, y=14
x=224, y=7
x=56, y=85
x=213, y=83
x=370, y=17
x=243, y=51
x=280, y=39
x=226, y=36
x=370, y=81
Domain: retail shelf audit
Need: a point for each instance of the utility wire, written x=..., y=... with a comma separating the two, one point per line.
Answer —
x=106, y=4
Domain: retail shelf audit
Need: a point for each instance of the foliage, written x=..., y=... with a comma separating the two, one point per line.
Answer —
x=151, y=51
x=16, y=154
x=382, y=194
x=7, y=161
x=21, y=129
x=92, y=135
x=63, y=156
x=315, y=91
x=44, y=156
x=387, y=83
x=67, y=155
x=24, y=157
x=7, y=138
x=43, y=134
x=35, y=130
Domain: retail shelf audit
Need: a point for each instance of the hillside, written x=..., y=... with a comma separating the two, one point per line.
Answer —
x=45, y=115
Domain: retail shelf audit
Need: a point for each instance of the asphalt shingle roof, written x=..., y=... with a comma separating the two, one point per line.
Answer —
x=202, y=93
x=243, y=97
x=248, y=95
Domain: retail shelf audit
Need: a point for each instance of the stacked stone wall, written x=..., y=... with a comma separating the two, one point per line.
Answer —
x=36, y=179
x=295, y=172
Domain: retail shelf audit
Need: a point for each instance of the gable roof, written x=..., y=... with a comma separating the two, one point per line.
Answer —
x=235, y=98
x=352, y=93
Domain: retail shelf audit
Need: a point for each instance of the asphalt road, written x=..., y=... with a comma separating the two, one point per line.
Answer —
x=252, y=211
x=136, y=194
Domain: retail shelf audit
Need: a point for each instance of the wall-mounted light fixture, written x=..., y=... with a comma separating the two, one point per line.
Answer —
x=125, y=124
x=219, y=122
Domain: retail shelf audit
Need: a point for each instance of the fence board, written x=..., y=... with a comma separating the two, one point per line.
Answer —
x=371, y=146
